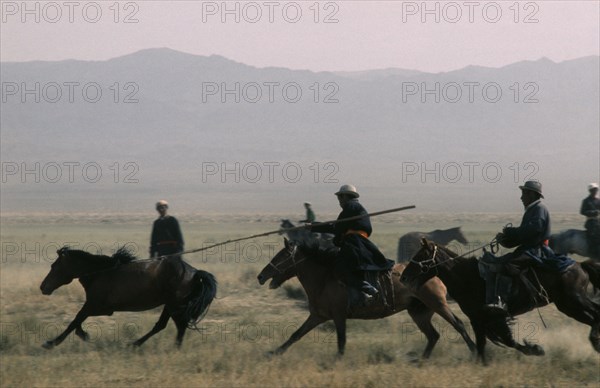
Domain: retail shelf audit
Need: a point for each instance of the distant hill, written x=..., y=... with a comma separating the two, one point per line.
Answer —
x=176, y=116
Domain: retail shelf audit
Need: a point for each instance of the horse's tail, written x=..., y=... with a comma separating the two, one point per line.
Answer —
x=203, y=293
x=592, y=268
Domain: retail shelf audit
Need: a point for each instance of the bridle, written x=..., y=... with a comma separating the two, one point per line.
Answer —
x=426, y=265
x=292, y=257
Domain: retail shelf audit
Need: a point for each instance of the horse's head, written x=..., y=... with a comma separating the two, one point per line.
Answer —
x=459, y=236
x=423, y=265
x=286, y=224
x=61, y=272
x=281, y=267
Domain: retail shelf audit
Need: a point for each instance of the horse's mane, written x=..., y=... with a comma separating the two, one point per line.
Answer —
x=458, y=260
x=315, y=251
x=122, y=255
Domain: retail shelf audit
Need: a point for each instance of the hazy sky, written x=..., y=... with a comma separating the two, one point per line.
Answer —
x=326, y=35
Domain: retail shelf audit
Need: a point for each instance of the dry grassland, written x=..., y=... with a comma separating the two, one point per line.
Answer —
x=246, y=321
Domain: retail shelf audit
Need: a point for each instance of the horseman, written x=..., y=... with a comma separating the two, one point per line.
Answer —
x=166, y=238
x=530, y=238
x=357, y=253
x=310, y=214
x=590, y=207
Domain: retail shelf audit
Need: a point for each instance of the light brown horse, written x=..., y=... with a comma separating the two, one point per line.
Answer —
x=328, y=298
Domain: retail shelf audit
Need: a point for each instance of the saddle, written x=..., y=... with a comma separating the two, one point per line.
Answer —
x=524, y=277
x=382, y=281
x=514, y=278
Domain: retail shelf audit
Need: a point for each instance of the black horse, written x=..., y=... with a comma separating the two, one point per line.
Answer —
x=120, y=283
x=461, y=275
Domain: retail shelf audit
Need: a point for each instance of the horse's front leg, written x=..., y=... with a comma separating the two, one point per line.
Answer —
x=340, y=328
x=81, y=333
x=497, y=326
x=311, y=322
x=480, y=340
x=75, y=324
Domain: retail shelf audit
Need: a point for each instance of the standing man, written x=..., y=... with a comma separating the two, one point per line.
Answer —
x=590, y=207
x=310, y=215
x=166, y=235
x=357, y=253
x=530, y=238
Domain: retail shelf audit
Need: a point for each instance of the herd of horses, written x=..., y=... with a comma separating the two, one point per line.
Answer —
x=426, y=272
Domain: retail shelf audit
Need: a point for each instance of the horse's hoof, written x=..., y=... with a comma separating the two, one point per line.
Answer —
x=534, y=350
x=48, y=345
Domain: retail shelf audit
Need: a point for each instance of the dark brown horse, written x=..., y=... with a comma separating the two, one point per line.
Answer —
x=327, y=298
x=119, y=283
x=461, y=275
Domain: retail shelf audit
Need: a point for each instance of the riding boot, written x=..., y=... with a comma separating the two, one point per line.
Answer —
x=492, y=287
x=503, y=287
x=360, y=292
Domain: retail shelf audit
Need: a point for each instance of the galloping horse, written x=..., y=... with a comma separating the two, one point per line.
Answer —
x=410, y=243
x=571, y=241
x=461, y=275
x=327, y=298
x=119, y=283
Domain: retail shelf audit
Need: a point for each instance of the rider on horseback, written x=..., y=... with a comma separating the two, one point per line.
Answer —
x=530, y=238
x=590, y=207
x=357, y=253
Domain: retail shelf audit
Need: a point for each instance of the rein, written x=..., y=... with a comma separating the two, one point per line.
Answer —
x=291, y=257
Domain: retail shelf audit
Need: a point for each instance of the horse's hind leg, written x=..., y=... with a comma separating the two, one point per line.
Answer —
x=181, y=324
x=422, y=317
x=443, y=310
x=158, y=326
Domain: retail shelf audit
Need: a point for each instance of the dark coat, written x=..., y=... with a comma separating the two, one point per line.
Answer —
x=590, y=207
x=356, y=252
x=533, y=231
x=166, y=236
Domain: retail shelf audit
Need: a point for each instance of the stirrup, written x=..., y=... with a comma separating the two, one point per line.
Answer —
x=368, y=289
x=499, y=305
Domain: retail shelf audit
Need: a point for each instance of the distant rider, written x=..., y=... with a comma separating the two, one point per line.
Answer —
x=310, y=215
x=166, y=236
x=590, y=207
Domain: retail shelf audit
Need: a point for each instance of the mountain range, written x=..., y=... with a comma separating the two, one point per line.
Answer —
x=215, y=135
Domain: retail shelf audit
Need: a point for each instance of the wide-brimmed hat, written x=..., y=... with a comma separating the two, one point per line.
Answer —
x=534, y=186
x=348, y=190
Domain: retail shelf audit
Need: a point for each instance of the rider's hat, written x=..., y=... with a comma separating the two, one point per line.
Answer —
x=534, y=186
x=348, y=190
x=161, y=203
x=593, y=186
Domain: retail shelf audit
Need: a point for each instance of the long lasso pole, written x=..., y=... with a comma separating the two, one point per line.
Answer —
x=332, y=222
